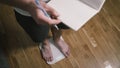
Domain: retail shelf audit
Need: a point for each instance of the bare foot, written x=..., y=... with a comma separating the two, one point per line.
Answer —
x=62, y=45
x=46, y=51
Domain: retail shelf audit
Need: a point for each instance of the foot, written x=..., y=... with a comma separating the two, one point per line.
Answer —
x=46, y=51
x=62, y=45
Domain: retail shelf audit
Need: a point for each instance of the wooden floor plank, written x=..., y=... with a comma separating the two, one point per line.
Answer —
x=95, y=45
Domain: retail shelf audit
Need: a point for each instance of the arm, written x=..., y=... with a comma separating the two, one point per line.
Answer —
x=37, y=14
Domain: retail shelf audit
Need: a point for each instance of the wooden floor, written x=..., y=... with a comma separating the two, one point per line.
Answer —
x=95, y=45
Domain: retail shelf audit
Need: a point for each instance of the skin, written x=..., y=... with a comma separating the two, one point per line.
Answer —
x=31, y=7
x=37, y=14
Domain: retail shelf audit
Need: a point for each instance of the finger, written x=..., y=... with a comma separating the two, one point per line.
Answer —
x=49, y=20
x=40, y=18
x=54, y=14
x=52, y=11
x=54, y=21
x=49, y=9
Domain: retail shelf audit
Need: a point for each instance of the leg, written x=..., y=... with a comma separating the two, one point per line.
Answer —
x=59, y=41
x=38, y=33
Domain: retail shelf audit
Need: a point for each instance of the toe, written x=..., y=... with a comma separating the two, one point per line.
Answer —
x=51, y=59
x=68, y=52
x=66, y=55
x=46, y=59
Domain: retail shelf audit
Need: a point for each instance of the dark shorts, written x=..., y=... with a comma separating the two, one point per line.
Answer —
x=37, y=32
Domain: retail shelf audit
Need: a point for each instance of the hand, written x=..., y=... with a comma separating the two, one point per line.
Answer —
x=40, y=18
x=37, y=14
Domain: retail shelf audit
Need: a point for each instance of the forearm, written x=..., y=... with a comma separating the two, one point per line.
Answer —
x=36, y=13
